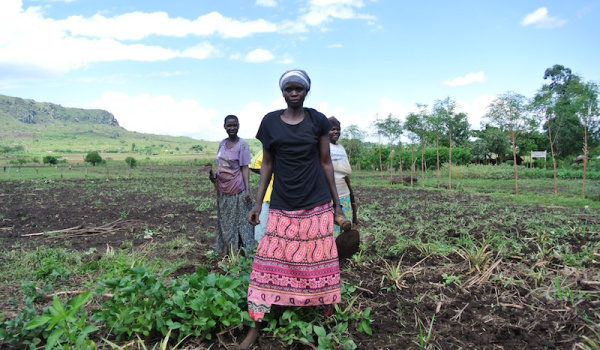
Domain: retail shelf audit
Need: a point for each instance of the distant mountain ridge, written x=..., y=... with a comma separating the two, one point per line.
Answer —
x=37, y=128
x=31, y=112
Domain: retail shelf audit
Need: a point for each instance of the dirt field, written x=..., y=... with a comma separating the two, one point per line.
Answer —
x=471, y=272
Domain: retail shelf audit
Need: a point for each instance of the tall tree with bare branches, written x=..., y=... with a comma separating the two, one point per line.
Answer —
x=587, y=101
x=389, y=128
x=415, y=123
x=510, y=113
x=444, y=111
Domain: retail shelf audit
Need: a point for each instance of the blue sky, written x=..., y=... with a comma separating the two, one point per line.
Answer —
x=179, y=67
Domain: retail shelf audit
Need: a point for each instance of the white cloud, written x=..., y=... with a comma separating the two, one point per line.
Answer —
x=35, y=45
x=139, y=25
x=388, y=106
x=200, y=51
x=335, y=46
x=266, y=3
x=162, y=115
x=252, y=114
x=259, y=56
x=468, y=79
x=475, y=109
x=540, y=19
x=322, y=11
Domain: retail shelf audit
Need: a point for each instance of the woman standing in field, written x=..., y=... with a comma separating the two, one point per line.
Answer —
x=234, y=200
x=341, y=173
x=296, y=263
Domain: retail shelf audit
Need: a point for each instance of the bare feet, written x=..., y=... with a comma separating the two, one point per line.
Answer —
x=250, y=339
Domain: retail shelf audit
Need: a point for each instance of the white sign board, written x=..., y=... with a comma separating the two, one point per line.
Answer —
x=538, y=154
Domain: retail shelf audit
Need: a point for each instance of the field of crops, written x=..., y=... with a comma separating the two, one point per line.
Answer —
x=123, y=259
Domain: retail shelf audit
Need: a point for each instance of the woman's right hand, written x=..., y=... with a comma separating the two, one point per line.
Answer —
x=254, y=214
x=211, y=176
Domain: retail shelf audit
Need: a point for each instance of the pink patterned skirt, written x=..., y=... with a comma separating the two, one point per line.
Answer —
x=296, y=262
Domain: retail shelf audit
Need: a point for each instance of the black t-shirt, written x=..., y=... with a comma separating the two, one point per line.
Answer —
x=299, y=182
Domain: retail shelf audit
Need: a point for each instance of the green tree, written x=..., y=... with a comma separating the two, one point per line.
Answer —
x=461, y=130
x=389, y=128
x=480, y=149
x=351, y=139
x=93, y=157
x=587, y=110
x=50, y=160
x=131, y=162
x=510, y=113
x=436, y=128
x=532, y=140
x=197, y=148
x=445, y=112
x=553, y=104
x=415, y=124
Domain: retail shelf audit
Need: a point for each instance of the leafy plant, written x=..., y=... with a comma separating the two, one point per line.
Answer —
x=66, y=326
x=449, y=279
x=137, y=305
x=13, y=332
x=204, y=302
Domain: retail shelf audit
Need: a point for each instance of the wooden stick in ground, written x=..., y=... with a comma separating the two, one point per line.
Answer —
x=352, y=201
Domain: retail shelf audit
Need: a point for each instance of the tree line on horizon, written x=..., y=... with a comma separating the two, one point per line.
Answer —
x=562, y=118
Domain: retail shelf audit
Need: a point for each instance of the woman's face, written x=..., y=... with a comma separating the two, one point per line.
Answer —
x=231, y=127
x=294, y=94
x=334, y=134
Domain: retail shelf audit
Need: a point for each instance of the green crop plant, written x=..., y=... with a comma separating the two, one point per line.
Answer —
x=137, y=303
x=449, y=279
x=560, y=289
x=394, y=275
x=12, y=331
x=477, y=256
x=67, y=326
x=424, y=339
x=590, y=342
x=205, y=302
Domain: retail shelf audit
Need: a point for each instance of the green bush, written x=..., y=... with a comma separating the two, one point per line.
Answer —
x=50, y=160
x=131, y=162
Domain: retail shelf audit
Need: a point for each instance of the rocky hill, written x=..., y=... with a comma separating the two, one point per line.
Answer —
x=31, y=112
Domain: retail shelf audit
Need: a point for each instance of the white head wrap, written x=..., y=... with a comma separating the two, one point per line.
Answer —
x=296, y=76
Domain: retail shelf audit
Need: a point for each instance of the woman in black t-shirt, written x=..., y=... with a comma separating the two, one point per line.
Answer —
x=296, y=262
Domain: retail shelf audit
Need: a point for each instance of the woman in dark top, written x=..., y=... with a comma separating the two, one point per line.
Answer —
x=296, y=262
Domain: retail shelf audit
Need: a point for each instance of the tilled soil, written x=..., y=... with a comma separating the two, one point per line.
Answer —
x=498, y=305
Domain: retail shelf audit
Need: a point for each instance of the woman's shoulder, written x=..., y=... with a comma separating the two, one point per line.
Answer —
x=314, y=112
x=243, y=143
x=273, y=114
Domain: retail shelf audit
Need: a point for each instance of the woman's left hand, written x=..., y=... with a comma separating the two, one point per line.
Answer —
x=248, y=198
x=338, y=211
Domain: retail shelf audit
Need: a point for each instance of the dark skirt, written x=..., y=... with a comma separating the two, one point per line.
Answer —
x=233, y=229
